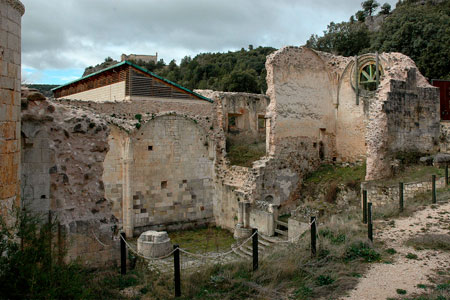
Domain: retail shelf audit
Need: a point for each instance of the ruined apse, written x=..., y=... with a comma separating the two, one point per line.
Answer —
x=326, y=108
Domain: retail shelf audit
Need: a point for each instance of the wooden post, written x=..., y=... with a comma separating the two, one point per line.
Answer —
x=255, y=248
x=356, y=80
x=123, y=254
x=369, y=223
x=365, y=206
x=177, y=273
x=433, y=187
x=446, y=175
x=313, y=236
x=400, y=195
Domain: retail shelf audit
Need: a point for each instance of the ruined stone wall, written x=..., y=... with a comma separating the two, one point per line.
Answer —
x=444, y=138
x=159, y=171
x=382, y=194
x=10, y=50
x=248, y=111
x=402, y=117
x=63, y=151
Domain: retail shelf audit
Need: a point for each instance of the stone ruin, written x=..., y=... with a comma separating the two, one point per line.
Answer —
x=152, y=163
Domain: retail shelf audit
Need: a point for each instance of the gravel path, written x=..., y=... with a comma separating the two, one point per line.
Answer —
x=382, y=280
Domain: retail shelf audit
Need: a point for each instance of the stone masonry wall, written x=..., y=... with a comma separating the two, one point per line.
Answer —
x=63, y=152
x=444, y=138
x=380, y=194
x=403, y=117
x=11, y=12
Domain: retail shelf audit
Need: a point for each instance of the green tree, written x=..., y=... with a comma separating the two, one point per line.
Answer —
x=342, y=38
x=361, y=15
x=385, y=9
x=370, y=6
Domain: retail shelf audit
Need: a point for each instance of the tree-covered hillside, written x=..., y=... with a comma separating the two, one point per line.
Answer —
x=238, y=71
x=419, y=29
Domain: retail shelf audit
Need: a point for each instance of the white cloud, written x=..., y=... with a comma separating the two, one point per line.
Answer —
x=76, y=33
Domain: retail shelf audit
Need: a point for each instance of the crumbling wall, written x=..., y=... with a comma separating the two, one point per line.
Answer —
x=159, y=172
x=63, y=154
x=244, y=113
x=11, y=12
x=403, y=116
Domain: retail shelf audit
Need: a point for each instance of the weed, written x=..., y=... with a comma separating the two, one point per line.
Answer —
x=138, y=125
x=401, y=291
x=362, y=250
x=324, y=280
x=411, y=256
x=391, y=251
x=138, y=117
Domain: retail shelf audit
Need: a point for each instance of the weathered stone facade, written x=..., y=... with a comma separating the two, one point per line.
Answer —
x=63, y=151
x=10, y=61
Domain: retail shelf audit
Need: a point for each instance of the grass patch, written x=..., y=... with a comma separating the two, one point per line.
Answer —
x=329, y=173
x=243, y=152
x=430, y=241
x=414, y=173
x=203, y=240
x=411, y=256
x=401, y=291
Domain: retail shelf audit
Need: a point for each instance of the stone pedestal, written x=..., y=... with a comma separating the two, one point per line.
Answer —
x=154, y=243
x=241, y=232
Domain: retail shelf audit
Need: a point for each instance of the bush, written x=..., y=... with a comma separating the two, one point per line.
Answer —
x=362, y=250
x=30, y=269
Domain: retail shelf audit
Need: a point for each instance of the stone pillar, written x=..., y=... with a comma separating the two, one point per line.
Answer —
x=241, y=213
x=127, y=199
x=11, y=12
x=246, y=209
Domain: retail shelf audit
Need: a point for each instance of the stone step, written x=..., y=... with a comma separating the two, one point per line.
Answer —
x=246, y=251
x=240, y=253
x=281, y=223
x=263, y=242
x=250, y=248
x=283, y=232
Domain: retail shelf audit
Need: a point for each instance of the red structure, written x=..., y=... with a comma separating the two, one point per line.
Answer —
x=444, y=86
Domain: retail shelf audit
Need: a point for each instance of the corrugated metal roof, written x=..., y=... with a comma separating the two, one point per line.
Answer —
x=141, y=69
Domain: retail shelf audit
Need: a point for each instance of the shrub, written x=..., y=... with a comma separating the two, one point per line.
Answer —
x=411, y=256
x=324, y=280
x=362, y=250
x=401, y=292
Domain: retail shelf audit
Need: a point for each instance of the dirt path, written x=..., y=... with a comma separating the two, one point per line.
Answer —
x=382, y=280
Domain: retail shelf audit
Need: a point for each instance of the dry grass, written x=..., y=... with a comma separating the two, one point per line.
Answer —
x=288, y=272
x=430, y=241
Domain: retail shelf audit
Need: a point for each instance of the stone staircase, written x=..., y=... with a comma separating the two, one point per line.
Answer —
x=265, y=243
x=281, y=228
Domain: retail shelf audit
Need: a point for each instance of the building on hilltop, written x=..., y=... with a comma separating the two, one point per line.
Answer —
x=143, y=58
x=123, y=82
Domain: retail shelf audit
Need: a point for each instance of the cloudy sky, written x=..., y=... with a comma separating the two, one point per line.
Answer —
x=61, y=37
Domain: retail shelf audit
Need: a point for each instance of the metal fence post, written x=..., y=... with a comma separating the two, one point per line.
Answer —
x=433, y=187
x=177, y=273
x=313, y=236
x=369, y=223
x=123, y=254
x=255, y=248
x=400, y=195
x=365, y=206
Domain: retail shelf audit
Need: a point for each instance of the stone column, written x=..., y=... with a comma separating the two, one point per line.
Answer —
x=10, y=61
x=246, y=210
x=127, y=199
x=241, y=213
